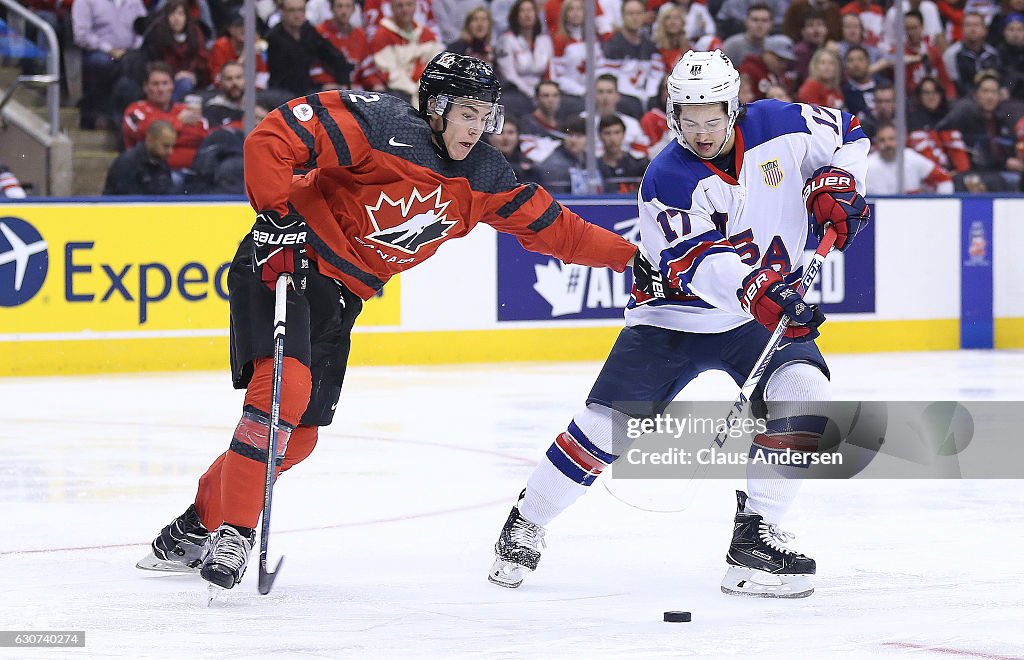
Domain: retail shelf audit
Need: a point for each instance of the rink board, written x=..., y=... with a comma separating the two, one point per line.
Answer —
x=141, y=286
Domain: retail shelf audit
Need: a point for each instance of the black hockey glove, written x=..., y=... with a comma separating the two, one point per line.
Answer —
x=648, y=280
x=279, y=246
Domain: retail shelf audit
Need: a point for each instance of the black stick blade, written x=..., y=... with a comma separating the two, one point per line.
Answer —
x=267, y=578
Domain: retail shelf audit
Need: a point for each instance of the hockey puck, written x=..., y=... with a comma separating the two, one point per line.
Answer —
x=677, y=617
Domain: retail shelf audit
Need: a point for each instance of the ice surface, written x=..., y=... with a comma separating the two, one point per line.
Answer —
x=388, y=529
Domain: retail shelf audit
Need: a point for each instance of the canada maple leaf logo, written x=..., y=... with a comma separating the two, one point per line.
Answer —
x=408, y=223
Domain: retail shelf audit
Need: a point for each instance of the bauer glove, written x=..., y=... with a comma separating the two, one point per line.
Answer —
x=766, y=297
x=279, y=246
x=831, y=197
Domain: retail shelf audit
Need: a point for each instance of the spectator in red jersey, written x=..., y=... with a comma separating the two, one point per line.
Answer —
x=187, y=121
x=822, y=87
x=230, y=48
x=401, y=49
x=174, y=38
x=634, y=59
x=295, y=48
x=773, y=67
x=352, y=43
x=1011, y=53
x=798, y=10
x=654, y=123
x=813, y=37
x=945, y=147
x=964, y=59
x=569, y=58
x=919, y=173
x=669, y=35
x=923, y=59
x=931, y=20
x=604, y=22
x=872, y=19
x=375, y=11
x=525, y=52
x=475, y=38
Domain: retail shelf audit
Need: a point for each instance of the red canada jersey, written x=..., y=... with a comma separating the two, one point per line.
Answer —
x=378, y=199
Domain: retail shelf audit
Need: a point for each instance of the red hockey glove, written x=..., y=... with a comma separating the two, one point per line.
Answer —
x=766, y=297
x=831, y=196
x=279, y=246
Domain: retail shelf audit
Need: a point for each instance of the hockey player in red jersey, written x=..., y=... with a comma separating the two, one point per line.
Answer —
x=385, y=186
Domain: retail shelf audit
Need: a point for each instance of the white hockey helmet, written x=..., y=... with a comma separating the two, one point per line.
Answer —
x=701, y=77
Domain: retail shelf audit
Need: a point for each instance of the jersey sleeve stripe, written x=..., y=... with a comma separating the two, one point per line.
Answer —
x=680, y=249
x=523, y=196
x=853, y=130
x=686, y=267
x=546, y=218
x=325, y=252
x=332, y=129
x=301, y=132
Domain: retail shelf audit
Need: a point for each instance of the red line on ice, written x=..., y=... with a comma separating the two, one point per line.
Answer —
x=951, y=651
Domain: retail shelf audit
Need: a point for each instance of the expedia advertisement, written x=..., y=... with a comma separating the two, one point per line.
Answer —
x=533, y=287
x=120, y=287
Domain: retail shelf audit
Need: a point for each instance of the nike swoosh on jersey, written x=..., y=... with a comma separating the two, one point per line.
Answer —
x=395, y=143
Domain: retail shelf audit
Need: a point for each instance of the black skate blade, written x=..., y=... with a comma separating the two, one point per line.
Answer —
x=267, y=577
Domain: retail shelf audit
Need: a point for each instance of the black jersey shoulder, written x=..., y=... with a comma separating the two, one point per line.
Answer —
x=393, y=126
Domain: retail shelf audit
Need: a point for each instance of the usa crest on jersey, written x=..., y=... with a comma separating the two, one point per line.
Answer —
x=772, y=173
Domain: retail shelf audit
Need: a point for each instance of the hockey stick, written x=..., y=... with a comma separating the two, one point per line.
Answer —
x=280, y=309
x=750, y=384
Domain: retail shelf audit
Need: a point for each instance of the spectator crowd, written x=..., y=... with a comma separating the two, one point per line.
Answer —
x=166, y=76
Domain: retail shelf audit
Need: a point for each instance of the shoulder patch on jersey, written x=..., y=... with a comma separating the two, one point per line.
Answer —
x=772, y=173
x=303, y=112
x=769, y=119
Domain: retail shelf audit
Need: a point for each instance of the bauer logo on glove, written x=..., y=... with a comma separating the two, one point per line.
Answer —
x=831, y=198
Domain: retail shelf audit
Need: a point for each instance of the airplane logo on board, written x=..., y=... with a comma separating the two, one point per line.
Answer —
x=25, y=243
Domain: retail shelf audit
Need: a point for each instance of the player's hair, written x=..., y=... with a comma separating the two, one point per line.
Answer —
x=513, y=18
x=760, y=6
x=536, y=88
x=609, y=120
x=158, y=67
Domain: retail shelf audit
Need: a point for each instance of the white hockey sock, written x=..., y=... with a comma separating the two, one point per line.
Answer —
x=794, y=423
x=572, y=463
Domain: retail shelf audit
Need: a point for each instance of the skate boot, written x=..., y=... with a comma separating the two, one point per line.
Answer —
x=760, y=564
x=229, y=556
x=180, y=547
x=517, y=551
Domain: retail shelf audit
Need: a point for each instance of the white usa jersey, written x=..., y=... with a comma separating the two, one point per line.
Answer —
x=705, y=231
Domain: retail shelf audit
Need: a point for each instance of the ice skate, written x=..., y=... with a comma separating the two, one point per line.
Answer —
x=517, y=551
x=180, y=547
x=228, y=557
x=760, y=564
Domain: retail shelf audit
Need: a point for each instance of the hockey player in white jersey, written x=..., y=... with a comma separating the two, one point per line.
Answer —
x=724, y=216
